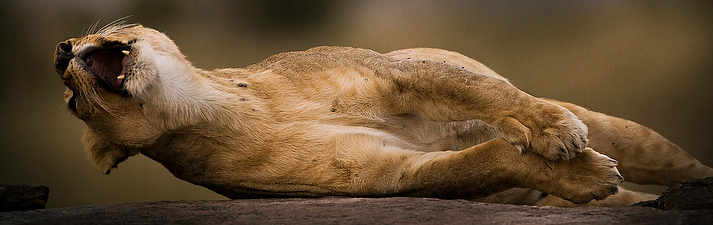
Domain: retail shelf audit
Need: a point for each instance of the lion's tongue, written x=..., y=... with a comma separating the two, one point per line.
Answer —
x=108, y=65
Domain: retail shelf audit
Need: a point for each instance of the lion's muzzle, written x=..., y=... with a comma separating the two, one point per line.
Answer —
x=62, y=55
x=107, y=63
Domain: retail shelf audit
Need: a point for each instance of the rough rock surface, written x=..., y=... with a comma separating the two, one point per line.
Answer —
x=693, y=194
x=348, y=211
x=22, y=197
x=688, y=195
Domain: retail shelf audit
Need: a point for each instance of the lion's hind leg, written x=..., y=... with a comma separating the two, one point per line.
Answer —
x=645, y=157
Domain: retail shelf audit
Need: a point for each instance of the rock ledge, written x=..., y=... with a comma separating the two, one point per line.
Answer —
x=667, y=209
x=22, y=197
x=349, y=211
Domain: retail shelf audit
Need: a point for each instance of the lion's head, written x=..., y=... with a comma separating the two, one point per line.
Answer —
x=111, y=78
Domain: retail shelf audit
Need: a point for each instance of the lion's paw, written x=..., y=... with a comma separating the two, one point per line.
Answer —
x=554, y=132
x=563, y=138
x=588, y=176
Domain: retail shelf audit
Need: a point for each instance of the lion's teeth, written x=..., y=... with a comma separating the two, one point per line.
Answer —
x=126, y=52
x=120, y=77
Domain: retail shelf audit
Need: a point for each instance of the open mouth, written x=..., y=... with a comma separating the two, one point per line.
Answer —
x=72, y=103
x=108, y=64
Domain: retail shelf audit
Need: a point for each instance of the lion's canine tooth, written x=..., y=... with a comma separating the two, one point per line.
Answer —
x=126, y=52
x=120, y=77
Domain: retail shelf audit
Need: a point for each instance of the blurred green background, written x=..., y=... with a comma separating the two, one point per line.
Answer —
x=647, y=61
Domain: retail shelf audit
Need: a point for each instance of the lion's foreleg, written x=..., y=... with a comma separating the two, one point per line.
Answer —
x=474, y=172
x=441, y=92
x=485, y=169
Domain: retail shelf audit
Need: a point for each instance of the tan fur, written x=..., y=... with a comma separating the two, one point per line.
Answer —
x=644, y=156
x=329, y=121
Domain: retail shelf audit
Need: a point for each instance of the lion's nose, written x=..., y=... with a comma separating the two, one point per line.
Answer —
x=62, y=56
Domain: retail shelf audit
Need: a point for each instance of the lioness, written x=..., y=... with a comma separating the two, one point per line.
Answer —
x=352, y=122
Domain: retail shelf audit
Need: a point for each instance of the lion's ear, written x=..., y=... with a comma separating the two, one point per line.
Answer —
x=105, y=155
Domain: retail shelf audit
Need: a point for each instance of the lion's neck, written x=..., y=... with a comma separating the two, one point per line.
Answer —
x=183, y=97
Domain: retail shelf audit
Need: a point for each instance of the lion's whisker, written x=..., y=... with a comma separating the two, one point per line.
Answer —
x=114, y=26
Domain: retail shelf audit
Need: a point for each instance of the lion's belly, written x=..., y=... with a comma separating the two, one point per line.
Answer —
x=442, y=136
x=413, y=132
